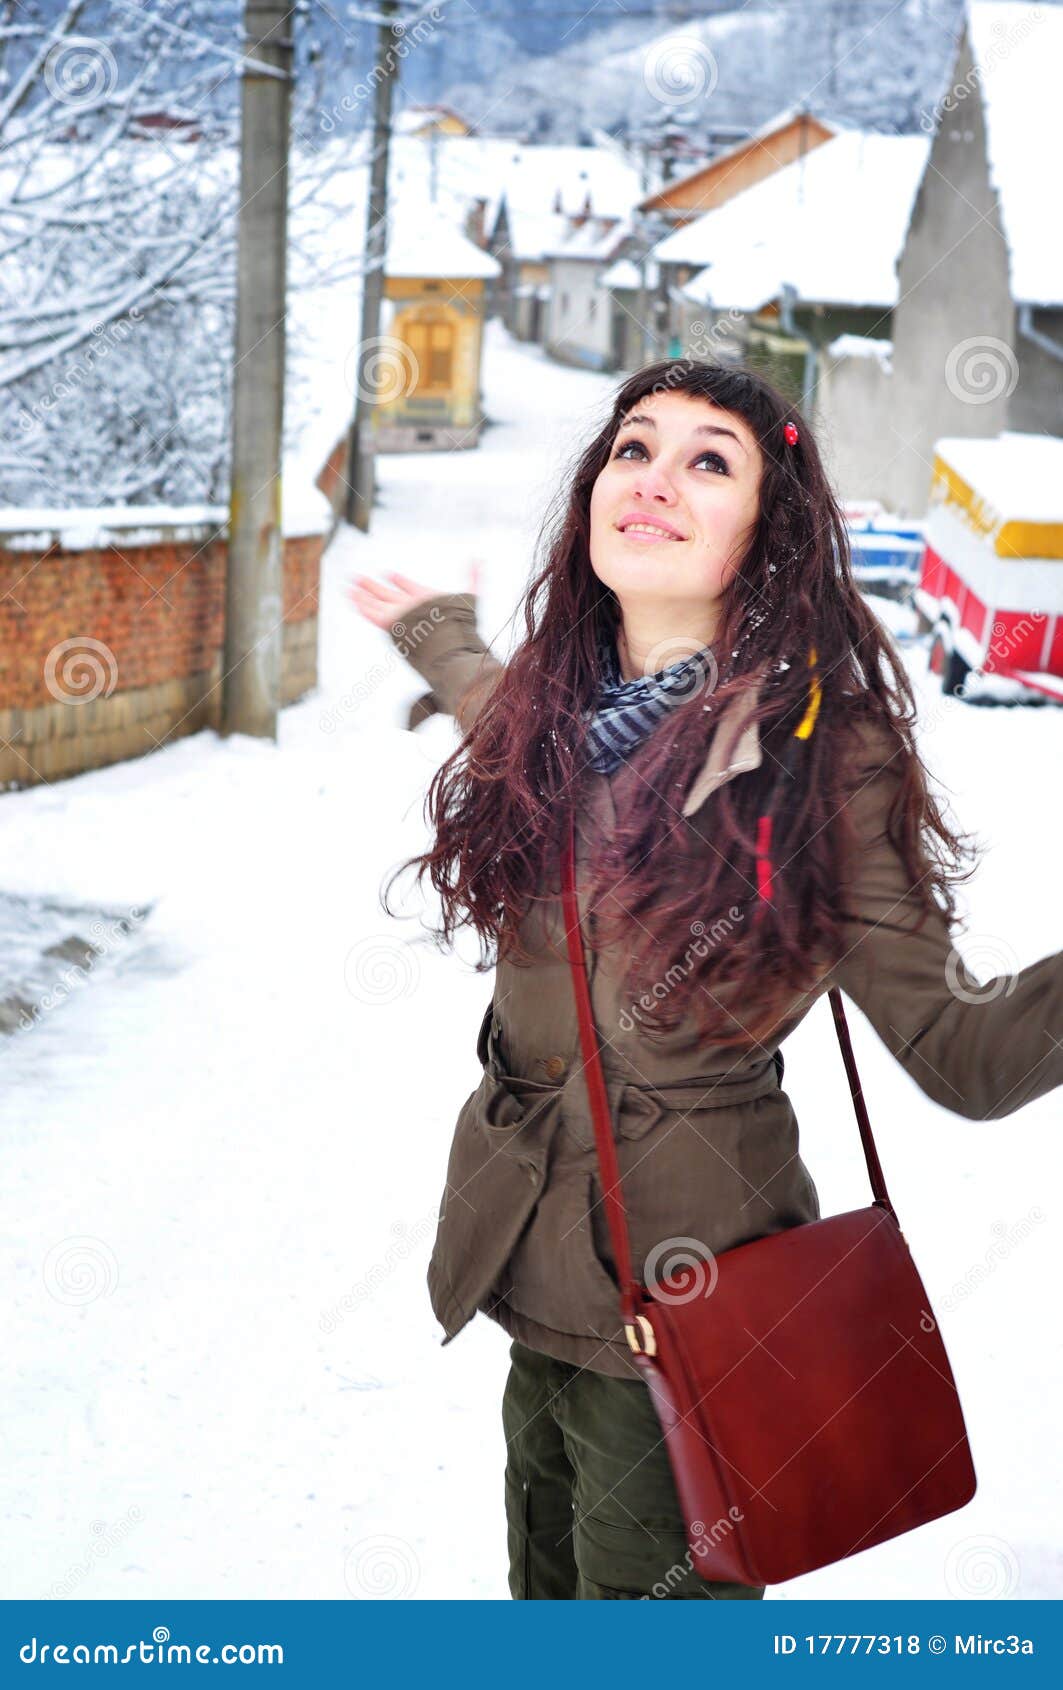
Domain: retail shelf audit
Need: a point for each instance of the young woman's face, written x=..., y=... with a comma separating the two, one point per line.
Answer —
x=685, y=466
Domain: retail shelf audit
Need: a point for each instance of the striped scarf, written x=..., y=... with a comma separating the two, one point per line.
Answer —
x=627, y=711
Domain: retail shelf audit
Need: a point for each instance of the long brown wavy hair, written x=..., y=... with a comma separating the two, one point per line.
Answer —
x=499, y=803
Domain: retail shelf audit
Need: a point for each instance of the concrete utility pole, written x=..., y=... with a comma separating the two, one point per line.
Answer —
x=253, y=604
x=359, y=438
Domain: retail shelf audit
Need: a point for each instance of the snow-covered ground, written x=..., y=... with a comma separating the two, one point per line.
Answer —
x=223, y=1156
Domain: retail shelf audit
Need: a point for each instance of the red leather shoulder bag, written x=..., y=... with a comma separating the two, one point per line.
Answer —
x=803, y=1390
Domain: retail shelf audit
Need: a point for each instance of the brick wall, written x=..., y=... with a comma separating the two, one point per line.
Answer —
x=110, y=649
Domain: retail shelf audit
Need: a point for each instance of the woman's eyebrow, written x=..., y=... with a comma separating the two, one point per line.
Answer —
x=702, y=428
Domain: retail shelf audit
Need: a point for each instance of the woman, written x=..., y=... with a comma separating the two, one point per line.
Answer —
x=696, y=583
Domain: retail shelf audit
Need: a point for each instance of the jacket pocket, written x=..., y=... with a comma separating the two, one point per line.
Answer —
x=495, y=1174
x=556, y=1276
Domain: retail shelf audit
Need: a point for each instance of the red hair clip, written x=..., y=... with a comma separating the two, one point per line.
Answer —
x=791, y=434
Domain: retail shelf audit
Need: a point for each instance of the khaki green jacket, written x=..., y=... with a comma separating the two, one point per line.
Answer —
x=707, y=1141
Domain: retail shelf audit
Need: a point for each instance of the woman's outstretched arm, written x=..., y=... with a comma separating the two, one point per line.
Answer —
x=979, y=1050
x=436, y=632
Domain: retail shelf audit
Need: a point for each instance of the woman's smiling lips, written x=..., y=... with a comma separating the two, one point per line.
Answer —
x=647, y=528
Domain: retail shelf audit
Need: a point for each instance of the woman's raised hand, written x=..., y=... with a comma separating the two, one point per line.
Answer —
x=383, y=602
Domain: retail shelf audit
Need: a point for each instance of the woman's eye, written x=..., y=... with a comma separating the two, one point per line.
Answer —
x=720, y=464
x=716, y=458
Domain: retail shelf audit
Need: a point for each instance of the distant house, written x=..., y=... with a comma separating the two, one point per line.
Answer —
x=434, y=293
x=430, y=120
x=612, y=305
x=519, y=240
x=423, y=369
x=631, y=286
x=804, y=257
x=788, y=137
x=581, y=326
x=978, y=329
x=536, y=196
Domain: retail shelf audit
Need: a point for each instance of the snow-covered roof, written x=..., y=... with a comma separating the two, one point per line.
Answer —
x=861, y=346
x=470, y=167
x=304, y=510
x=533, y=233
x=423, y=241
x=625, y=273
x=597, y=239
x=831, y=225
x=425, y=236
x=1019, y=475
x=1018, y=50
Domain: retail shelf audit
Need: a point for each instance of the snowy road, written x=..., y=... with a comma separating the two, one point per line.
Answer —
x=223, y=1156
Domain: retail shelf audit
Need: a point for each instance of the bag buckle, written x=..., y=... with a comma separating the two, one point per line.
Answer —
x=649, y=1345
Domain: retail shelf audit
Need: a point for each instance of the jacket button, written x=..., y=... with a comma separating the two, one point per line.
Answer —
x=555, y=1067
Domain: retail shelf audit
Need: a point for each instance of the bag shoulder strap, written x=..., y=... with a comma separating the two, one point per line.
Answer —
x=612, y=1198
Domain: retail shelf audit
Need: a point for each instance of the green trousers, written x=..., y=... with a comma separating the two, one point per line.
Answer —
x=591, y=1506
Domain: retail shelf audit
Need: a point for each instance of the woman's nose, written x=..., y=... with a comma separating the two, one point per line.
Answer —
x=655, y=482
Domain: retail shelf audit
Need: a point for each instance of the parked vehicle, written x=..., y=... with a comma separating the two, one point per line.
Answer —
x=990, y=585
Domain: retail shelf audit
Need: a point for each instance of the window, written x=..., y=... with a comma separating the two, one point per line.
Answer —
x=432, y=344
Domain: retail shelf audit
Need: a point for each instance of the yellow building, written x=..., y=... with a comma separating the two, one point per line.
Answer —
x=427, y=376
x=431, y=120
